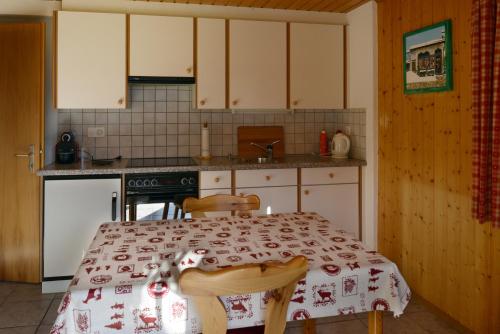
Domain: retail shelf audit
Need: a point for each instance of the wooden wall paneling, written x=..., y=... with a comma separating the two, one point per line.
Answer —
x=425, y=144
x=425, y=222
x=466, y=251
x=453, y=180
x=495, y=282
x=396, y=87
x=385, y=128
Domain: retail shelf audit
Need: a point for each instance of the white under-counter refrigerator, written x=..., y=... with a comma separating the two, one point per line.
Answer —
x=74, y=207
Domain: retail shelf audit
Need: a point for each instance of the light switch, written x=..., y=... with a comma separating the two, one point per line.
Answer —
x=95, y=132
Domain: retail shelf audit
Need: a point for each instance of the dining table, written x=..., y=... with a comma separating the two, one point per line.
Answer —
x=127, y=281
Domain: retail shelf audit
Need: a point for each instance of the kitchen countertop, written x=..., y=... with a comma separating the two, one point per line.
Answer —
x=216, y=163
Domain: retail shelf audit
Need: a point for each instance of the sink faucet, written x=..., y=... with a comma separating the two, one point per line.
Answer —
x=268, y=149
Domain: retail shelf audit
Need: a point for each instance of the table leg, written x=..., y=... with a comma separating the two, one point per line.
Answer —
x=375, y=322
x=310, y=326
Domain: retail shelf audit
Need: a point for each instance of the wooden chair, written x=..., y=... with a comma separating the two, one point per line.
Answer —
x=279, y=278
x=240, y=204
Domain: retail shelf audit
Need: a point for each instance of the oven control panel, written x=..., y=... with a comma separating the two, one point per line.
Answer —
x=173, y=180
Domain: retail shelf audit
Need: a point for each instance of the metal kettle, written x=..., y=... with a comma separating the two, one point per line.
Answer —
x=340, y=145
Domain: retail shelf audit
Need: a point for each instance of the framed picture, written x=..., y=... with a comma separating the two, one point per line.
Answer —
x=427, y=65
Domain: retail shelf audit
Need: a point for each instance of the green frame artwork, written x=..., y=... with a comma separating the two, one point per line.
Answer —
x=427, y=59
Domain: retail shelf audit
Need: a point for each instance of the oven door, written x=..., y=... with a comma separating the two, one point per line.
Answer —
x=152, y=205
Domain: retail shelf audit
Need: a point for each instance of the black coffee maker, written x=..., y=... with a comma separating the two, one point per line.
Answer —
x=66, y=148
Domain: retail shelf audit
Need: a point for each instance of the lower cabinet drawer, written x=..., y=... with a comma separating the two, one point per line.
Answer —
x=266, y=177
x=215, y=179
x=273, y=199
x=329, y=175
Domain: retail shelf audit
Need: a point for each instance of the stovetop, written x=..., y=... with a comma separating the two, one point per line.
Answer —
x=161, y=162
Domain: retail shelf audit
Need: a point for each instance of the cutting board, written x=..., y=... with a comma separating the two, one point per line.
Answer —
x=261, y=135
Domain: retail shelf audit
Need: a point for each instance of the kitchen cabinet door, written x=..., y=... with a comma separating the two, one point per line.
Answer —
x=316, y=66
x=337, y=203
x=73, y=210
x=273, y=199
x=257, y=65
x=211, y=64
x=90, y=69
x=161, y=46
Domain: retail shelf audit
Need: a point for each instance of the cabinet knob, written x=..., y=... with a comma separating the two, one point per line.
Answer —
x=235, y=102
x=242, y=194
x=306, y=192
x=331, y=175
x=189, y=69
x=268, y=178
x=217, y=179
x=120, y=100
x=295, y=102
x=203, y=101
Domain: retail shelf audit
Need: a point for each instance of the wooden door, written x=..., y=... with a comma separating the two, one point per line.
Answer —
x=316, y=66
x=91, y=71
x=161, y=46
x=211, y=64
x=337, y=203
x=21, y=125
x=273, y=199
x=257, y=65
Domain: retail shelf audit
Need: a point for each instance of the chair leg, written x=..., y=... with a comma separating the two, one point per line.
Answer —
x=183, y=214
x=375, y=322
x=310, y=326
x=132, y=212
x=176, y=212
x=166, y=207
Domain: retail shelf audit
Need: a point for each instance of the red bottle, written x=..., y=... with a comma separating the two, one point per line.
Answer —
x=323, y=143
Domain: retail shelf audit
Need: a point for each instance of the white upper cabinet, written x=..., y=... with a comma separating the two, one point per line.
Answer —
x=211, y=63
x=161, y=46
x=316, y=66
x=257, y=64
x=90, y=69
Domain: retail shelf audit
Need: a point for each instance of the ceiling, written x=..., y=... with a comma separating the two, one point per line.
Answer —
x=340, y=6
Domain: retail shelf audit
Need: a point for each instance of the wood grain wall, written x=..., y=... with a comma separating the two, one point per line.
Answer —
x=425, y=141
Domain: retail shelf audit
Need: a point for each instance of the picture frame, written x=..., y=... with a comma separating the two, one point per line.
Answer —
x=427, y=59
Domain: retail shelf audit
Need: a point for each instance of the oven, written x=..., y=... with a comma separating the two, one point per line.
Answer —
x=152, y=196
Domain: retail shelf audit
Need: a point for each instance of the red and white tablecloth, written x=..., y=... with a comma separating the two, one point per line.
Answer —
x=128, y=280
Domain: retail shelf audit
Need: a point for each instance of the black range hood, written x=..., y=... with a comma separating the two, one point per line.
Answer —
x=162, y=80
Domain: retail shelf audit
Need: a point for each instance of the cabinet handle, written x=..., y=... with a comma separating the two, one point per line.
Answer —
x=217, y=179
x=235, y=102
x=242, y=194
x=268, y=178
x=189, y=69
x=331, y=175
x=120, y=101
x=114, y=204
x=202, y=102
x=306, y=192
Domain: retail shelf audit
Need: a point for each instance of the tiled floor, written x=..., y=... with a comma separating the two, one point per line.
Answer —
x=25, y=310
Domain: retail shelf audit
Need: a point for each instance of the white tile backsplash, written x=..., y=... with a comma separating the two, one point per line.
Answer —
x=160, y=122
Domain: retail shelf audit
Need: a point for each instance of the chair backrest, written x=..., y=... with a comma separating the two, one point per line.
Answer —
x=278, y=278
x=240, y=204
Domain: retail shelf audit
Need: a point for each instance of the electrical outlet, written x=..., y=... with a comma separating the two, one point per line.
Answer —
x=95, y=132
x=347, y=130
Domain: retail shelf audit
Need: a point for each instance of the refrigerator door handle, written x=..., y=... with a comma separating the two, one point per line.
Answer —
x=114, y=203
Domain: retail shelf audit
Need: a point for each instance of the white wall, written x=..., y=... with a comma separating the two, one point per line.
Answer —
x=362, y=76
